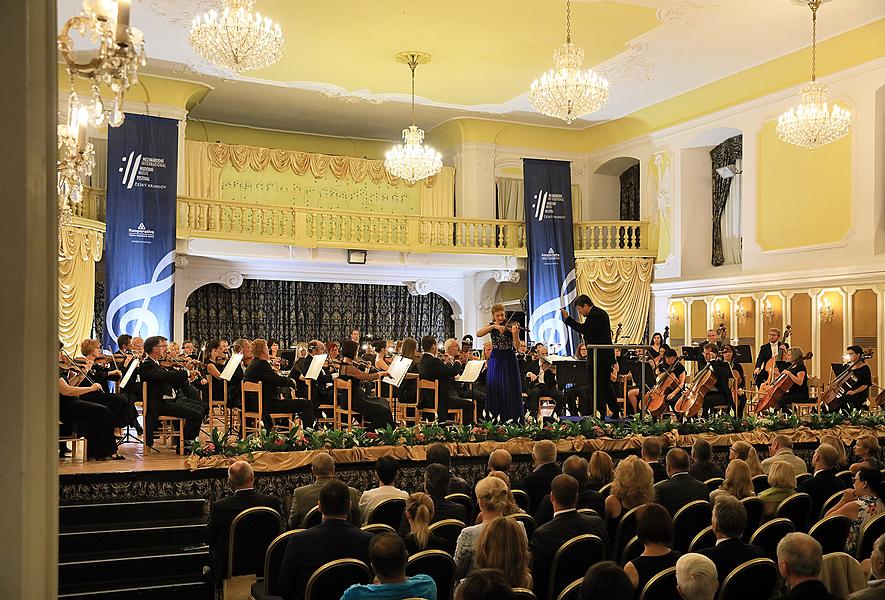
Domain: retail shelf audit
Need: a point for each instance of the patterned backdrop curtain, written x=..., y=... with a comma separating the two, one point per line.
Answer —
x=630, y=194
x=726, y=153
x=298, y=311
x=98, y=315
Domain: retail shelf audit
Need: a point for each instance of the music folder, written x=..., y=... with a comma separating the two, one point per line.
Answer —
x=231, y=366
x=132, y=366
x=471, y=371
x=743, y=353
x=316, y=365
x=397, y=371
x=691, y=353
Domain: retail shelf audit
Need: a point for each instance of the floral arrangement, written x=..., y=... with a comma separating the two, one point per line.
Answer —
x=530, y=428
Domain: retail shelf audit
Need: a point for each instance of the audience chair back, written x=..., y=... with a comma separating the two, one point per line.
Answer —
x=760, y=483
x=465, y=501
x=376, y=528
x=606, y=489
x=588, y=511
x=714, y=483
x=847, y=478
x=755, y=578
x=572, y=560
x=273, y=560
x=797, y=508
x=661, y=587
x=704, y=539
x=251, y=419
x=251, y=534
x=522, y=499
x=769, y=534
x=869, y=533
x=528, y=522
x=344, y=413
x=571, y=592
x=633, y=549
x=449, y=530
x=688, y=522
x=831, y=532
x=803, y=477
x=755, y=511
x=388, y=512
x=333, y=578
x=313, y=518
x=829, y=503
x=438, y=565
x=523, y=594
x=624, y=532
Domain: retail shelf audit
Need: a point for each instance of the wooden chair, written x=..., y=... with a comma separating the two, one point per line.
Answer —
x=797, y=508
x=167, y=427
x=433, y=411
x=755, y=511
x=218, y=412
x=273, y=560
x=572, y=560
x=704, y=539
x=78, y=444
x=250, y=420
x=438, y=565
x=688, y=522
x=333, y=578
x=449, y=530
x=661, y=587
x=344, y=415
x=831, y=532
x=755, y=578
x=251, y=534
x=769, y=534
x=407, y=412
x=323, y=411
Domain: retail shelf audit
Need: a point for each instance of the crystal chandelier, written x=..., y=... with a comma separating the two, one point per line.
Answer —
x=237, y=39
x=113, y=65
x=567, y=92
x=412, y=160
x=75, y=162
x=812, y=124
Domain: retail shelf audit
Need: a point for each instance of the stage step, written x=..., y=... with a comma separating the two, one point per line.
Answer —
x=129, y=541
x=157, y=588
x=83, y=517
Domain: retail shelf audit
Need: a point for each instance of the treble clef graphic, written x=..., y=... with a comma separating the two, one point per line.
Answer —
x=142, y=316
x=544, y=324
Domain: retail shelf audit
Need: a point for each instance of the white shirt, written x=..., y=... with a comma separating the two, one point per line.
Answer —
x=774, y=348
x=372, y=498
x=563, y=511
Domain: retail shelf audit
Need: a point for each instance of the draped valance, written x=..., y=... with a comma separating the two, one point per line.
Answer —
x=621, y=287
x=80, y=246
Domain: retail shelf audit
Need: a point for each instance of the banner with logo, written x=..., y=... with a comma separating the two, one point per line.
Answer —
x=551, y=251
x=140, y=242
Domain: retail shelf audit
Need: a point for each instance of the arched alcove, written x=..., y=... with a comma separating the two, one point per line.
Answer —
x=606, y=186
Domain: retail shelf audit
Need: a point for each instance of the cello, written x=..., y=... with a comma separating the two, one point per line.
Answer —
x=692, y=399
x=655, y=399
x=832, y=396
x=774, y=391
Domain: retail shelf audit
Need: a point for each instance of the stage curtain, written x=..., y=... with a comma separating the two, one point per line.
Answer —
x=621, y=287
x=630, y=194
x=726, y=153
x=298, y=311
x=79, y=248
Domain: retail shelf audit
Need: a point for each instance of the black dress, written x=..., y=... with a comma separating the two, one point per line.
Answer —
x=649, y=566
x=434, y=542
x=89, y=419
x=863, y=377
x=375, y=412
x=796, y=393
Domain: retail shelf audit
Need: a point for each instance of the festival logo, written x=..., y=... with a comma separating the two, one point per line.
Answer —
x=140, y=171
x=120, y=315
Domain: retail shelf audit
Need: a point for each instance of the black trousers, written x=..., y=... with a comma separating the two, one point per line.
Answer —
x=375, y=411
x=122, y=411
x=537, y=392
x=98, y=423
x=786, y=401
x=454, y=402
x=715, y=399
x=301, y=407
x=577, y=395
x=191, y=413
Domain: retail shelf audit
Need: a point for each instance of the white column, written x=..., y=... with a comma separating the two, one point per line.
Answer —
x=880, y=329
x=688, y=303
x=848, y=315
x=759, y=306
x=475, y=181
x=709, y=300
x=815, y=294
x=734, y=299
x=787, y=311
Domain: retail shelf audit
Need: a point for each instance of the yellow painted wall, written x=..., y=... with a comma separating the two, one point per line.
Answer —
x=831, y=349
x=698, y=321
x=865, y=323
x=777, y=313
x=677, y=325
x=722, y=305
x=804, y=197
x=746, y=331
x=150, y=89
x=800, y=304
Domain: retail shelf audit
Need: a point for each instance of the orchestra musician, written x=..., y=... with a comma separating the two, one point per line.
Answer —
x=503, y=386
x=677, y=369
x=541, y=375
x=729, y=355
x=355, y=335
x=434, y=368
x=261, y=371
x=123, y=412
x=596, y=329
x=720, y=393
x=408, y=389
x=773, y=348
x=124, y=356
x=215, y=364
x=189, y=351
x=455, y=356
x=375, y=411
x=859, y=389
x=798, y=374
x=712, y=338
x=321, y=387
x=656, y=353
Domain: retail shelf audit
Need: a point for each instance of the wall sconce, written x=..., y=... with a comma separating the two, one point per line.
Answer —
x=825, y=310
x=718, y=313
x=741, y=313
x=767, y=312
x=674, y=314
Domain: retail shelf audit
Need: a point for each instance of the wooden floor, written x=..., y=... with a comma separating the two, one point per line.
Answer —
x=136, y=461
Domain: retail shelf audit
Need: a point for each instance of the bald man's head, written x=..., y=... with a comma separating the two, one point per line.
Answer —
x=240, y=475
x=322, y=465
x=500, y=460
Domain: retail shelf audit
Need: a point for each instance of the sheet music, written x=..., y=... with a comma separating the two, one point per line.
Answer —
x=132, y=366
x=471, y=371
x=231, y=366
x=397, y=371
x=316, y=365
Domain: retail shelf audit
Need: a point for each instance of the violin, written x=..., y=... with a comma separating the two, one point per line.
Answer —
x=832, y=396
x=655, y=399
x=774, y=391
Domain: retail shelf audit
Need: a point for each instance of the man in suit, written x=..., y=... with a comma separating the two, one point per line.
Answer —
x=876, y=589
x=702, y=466
x=500, y=460
x=537, y=483
x=651, y=453
x=436, y=485
x=729, y=521
x=241, y=480
x=541, y=377
x=567, y=523
x=799, y=558
x=824, y=483
x=720, y=393
x=260, y=370
x=681, y=488
x=596, y=329
x=333, y=539
x=766, y=352
x=161, y=400
x=438, y=454
x=576, y=466
x=781, y=448
x=305, y=498
x=433, y=368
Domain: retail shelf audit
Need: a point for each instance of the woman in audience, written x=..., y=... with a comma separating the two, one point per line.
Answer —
x=600, y=471
x=503, y=545
x=860, y=503
x=419, y=514
x=737, y=481
x=654, y=528
x=510, y=505
x=491, y=494
x=782, y=479
x=867, y=450
x=747, y=453
x=606, y=581
x=484, y=584
x=632, y=487
x=832, y=440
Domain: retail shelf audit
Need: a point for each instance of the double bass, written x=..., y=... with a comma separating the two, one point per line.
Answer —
x=771, y=363
x=692, y=399
x=832, y=396
x=655, y=400
x=774, y=391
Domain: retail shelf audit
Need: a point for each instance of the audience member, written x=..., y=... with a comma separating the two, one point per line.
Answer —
x=576, y=466
x=566, y=523
x=305, y=497
x=601, y=470
x=799, y=559
x=503, y=545
x=241, y=480
x=860, y=503
x=419, y=516
x=654, y=528
x=876, y=589
x=824, y=483
x=510, y=505
x=702, y=466
x=729, y=522
x=334, y=538
x=436, y=485
x=484, y=584
x=781, y=449
x=537, y=483
x=388, y=555
x=632, y=487
x=500, y=460
x=438, y=454
x=782, y=483
x=747, y=453
x=867, y=450
x=696, y=577
x=681, y=488
x=606, y=581
x=835, y=442
x=738, y=482
x=651, y=453
x=385, y=469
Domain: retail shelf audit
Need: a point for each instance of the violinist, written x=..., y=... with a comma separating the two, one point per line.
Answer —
x=409, y=387
x=677, y=369
x=729, y=355
x=188, y=350
x=94, y=365
x=334, y=352
x=375, y=411
x=276, y=361
x=261, y=371
x=859, y=389
x=503, y=386
x=720, y=393
x=382, y=358
x=235, y=385
x=124, y=356
x=541, y=375
x=771, y=349
x=321, y=388
x=798, y=375
x=433, y=368
x=455, y=357
x=215, y=364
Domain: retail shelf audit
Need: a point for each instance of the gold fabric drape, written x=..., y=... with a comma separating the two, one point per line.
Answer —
x=79, y=248
x=621, y=287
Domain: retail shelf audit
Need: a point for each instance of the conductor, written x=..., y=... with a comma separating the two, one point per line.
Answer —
x=596, y=329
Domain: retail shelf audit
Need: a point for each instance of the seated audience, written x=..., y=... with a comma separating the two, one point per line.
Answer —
x=601, y=470
x=606, y=581
x=867, y=451
x=388, y=556
x=876, y=589
x=510, y=505
x=651, y=453
x=696, y=577
x=824, y=483
x=419, y=515
x=566, y=523
x=747, y=453
x=438, y=454
x=782, y=482
x=537, y=483
x=241, y=480
x=576, y=466
x=385, y=469
x=500, y=460
x=702, y=466
x=334, y=538
x=860, y=503
x=781, y=449
x=729, y=522
x=799, y=559
x=681, y=488
x=491, y=495
x=737, y=482
x=484, y=584
x=632, y=487
x=503, y=545
x=654, y=528
x=305, y=497
x=832, y=440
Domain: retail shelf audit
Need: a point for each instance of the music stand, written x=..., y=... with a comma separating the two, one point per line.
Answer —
x=838, y=368
x=691, y=353
x=572, y=372
x=743, y=353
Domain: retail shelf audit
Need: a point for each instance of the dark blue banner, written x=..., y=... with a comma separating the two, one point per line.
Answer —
x=140, y=241
x=551, y=250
